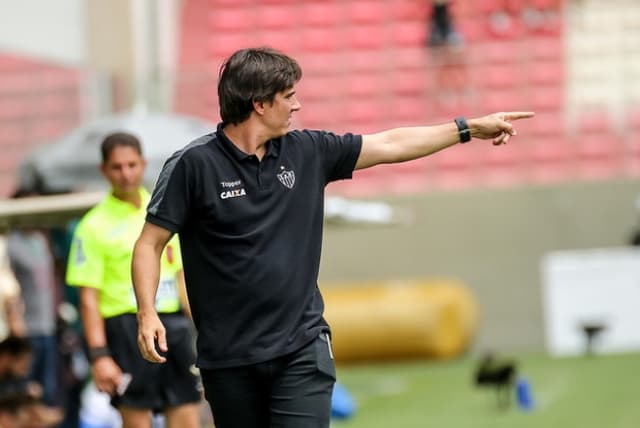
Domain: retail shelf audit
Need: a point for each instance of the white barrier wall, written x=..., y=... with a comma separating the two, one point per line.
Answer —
x=599, y=286
x=54, y=30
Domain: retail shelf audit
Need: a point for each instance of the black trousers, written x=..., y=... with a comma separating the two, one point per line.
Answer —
x=293, y=391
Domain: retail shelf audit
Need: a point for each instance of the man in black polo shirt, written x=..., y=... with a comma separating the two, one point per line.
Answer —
x=247, y=202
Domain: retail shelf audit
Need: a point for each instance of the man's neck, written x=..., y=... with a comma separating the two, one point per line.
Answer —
x=132, y=198
x=248, y=138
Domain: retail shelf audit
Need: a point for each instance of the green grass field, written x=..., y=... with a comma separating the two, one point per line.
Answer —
x=585, y=392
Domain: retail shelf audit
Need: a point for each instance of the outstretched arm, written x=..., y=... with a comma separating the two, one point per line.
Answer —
x=145, y=272
x=403, y=144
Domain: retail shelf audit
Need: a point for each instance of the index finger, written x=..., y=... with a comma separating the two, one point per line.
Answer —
x=515, y=115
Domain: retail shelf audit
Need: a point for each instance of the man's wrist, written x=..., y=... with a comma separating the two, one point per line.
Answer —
x=464, y=132
x=145, y=312
x=473, y=127
x=94, y=353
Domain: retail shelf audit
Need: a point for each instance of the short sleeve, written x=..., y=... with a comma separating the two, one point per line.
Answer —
x=339, y=154
x=170, y=200
x=85, y=266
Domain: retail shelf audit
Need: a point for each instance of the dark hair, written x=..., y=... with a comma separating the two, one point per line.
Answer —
x=118, y=139
x=15, y=345
x=254, y=74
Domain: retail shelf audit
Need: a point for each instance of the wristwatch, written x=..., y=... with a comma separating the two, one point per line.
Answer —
x=95, y=352
x=463, y=129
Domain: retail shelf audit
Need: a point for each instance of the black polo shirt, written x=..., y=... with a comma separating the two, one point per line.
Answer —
x=251, y=233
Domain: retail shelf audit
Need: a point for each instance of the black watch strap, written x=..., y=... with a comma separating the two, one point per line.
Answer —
x=463, y=129
x=96, y=352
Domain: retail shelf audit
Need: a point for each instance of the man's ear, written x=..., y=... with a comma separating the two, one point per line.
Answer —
x=258, y=106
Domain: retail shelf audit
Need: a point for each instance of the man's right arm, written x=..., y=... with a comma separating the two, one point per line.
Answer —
x=145, y=272
x=106, y=373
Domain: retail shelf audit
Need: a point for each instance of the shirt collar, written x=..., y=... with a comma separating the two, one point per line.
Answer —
x=119, y=204
x=273, y=146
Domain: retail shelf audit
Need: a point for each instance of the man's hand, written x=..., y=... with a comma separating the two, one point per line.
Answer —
x=106, y=375
x=150, y=329
x=497, y=126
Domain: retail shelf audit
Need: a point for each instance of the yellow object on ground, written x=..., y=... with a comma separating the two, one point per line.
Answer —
x=400, y=319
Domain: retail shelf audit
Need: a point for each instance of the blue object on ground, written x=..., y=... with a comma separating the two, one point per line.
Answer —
x=342, y=405
x=524, y=394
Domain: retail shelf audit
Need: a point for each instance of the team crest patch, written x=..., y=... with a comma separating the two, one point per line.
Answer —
x=287, y=178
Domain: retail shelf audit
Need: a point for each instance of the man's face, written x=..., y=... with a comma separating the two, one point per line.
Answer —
x=124, y=170
x=278, y=113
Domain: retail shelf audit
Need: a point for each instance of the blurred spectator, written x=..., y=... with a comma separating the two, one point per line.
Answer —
x=448, y=58
x=442, y=31
x=20, y=398
x=15, y=357
x=32, y=263
x=74, y=367
x=11, y=308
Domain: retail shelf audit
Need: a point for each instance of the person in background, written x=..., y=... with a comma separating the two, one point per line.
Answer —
x=441, y=29
x=247, y=202
x=32, y=263
x=22, y=396
x=99, y=263
x=11, y=306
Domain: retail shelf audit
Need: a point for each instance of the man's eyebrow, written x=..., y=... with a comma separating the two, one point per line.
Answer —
x=289, y=94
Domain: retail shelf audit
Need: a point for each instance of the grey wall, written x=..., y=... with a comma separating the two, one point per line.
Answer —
x=491, y=239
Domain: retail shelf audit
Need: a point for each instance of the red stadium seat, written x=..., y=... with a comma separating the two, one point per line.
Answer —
x=489, y=6
x=546, y=72
x=214, y=4
x=504, y=25
x=321, y=14
x=320, y=40
x=473, y=29
x=408, y=33
x=504, y=165
x=401, y=10
x=545, y=4
x=408, y=58
x=633, y=118
x=507, y=99
x=367, y=84
x=543, y=125
x=594, y=122
x=410, y=82
x=366, y=12
x=545, y=48
x=547, y=98
x=223, y=44
x=550, y=150
x=499, y=51
x=407, y=110
x=499, y=76
x=369, y=110
x=277, y=16
x=279, y=39
x=600, y=156
x=232, y=19
x=367, y=61
x=321, y=87
x=359, y=37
